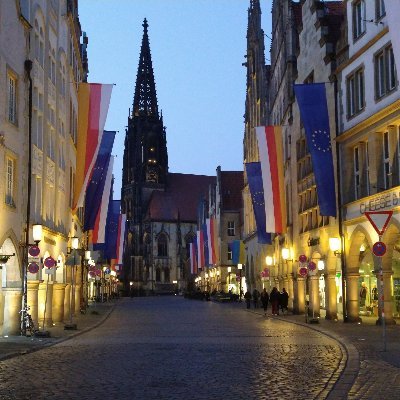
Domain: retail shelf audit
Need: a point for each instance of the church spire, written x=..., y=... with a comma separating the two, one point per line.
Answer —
x=145, y=100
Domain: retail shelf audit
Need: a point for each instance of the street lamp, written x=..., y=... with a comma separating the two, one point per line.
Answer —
x=268, y=260
x=240, y=266
x=229, y=276
x=334, y=245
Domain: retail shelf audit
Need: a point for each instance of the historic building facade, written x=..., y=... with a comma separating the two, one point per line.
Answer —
x=257, y=84
x=42, y=56
x=161, y=207
x=369, y=125
x=319, y=32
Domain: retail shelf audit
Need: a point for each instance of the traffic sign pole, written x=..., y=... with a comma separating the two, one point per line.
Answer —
x=381, y=296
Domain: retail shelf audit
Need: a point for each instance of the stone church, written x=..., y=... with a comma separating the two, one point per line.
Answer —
x=161, y=207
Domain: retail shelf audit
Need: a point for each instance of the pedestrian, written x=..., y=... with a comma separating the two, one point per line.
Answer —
x=284, y=300
x=264, y=300
x=274, y=299
x=256, y=296
x=247, y=297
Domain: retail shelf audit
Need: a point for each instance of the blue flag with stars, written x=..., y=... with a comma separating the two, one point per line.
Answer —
x=311, y=99
x=254, y=177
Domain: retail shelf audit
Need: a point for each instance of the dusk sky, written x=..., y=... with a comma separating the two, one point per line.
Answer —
x=197, y=49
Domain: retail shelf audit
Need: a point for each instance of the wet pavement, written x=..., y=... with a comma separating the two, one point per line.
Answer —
x=174, y=348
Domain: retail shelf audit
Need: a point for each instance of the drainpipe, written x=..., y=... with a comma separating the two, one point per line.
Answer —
x=28, y=68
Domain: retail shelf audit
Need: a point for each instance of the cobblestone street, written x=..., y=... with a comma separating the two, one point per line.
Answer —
x=173, y=348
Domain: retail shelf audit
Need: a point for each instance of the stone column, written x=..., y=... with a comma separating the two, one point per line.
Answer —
x=330, y=296
x=290, y=289
x=299, y=300
x=352, y=297
x=45, y=300
x=67, y=302
x=12, y=307
x=77, y=305
x=32, y=300
x=314, y=296
x=58, y=301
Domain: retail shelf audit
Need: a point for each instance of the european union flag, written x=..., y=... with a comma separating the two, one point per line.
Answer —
x=254, y=177
x=110, y=250
x=311, y=99
x=94, y=191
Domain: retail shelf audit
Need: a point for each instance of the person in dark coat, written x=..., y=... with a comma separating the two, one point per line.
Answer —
x=274, y=299
x=264, y=300
x=256, y=295
x=247, y=297
x=284, y=300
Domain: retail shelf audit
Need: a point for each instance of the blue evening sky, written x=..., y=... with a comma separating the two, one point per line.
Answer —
x=197, y=48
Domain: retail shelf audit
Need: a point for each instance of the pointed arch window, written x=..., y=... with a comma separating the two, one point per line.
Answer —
x=162, y=246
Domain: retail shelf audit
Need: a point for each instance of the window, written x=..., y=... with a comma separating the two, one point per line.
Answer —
x=10, y=182
x=379, y=9
x=37, y=193
x=385, y=72
x=386, y=161
x=71, y=187
x=167, y=275
x=12, y=98
x=162, y=246
x=229, y=255
x=37, y=118
x=51, y=143
x=158, y=275
x=367, y=168
x=39, y=43
x=358, y=18
x=357, y=172
x=355, y=92
x=52, y=66
x=231, y=228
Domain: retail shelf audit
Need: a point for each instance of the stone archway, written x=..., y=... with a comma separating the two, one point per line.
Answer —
x=11, y=290
x=359, y=237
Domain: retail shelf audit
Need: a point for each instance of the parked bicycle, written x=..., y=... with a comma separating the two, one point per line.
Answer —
x=30, y=328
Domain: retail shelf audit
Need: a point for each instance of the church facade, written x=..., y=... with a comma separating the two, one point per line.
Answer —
x=161, y=207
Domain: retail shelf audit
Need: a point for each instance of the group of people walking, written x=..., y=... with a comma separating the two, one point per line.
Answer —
x=278, y=300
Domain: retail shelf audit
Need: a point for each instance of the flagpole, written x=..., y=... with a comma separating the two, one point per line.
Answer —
x=340, y=212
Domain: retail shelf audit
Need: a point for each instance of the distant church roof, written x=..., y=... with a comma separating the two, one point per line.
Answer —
x=181, y=197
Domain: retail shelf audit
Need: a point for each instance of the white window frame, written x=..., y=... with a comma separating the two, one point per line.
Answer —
x=357, y=172
x=231, y=228
x=386, y=160
x=385, y=72
x=355, y=92
x=380, y=10
x=359, y=23
x=10, y=182
x=12, y=85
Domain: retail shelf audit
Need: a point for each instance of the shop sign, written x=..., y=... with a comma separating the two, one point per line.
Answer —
x=389, y=199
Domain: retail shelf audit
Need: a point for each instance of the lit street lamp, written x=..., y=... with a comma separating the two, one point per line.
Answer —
x=240, y=266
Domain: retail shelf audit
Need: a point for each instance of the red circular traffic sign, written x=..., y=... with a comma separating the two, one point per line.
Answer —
x=49, y=262
x=379, y=249
x=312, y=266
x=303, y=271
x=302, y=258
x=33, y=268
x=34, y=251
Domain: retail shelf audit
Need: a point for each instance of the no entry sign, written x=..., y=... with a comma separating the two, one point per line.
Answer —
x=379, y=249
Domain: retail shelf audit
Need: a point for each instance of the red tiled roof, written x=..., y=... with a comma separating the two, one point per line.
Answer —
x=182, y=194
x=231, y=190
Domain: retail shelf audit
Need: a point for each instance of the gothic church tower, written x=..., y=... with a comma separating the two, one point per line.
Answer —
x=145, y=164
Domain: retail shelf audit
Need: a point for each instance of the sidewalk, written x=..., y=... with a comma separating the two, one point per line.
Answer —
x=96, y=314
x=366, y=363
